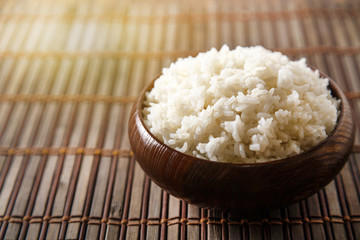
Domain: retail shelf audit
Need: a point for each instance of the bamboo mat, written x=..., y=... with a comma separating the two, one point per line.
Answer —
x=69, y=73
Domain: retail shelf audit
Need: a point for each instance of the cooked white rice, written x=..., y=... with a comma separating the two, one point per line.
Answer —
x=244, y=105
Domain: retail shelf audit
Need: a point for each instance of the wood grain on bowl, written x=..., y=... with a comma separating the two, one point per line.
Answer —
x=238, y=186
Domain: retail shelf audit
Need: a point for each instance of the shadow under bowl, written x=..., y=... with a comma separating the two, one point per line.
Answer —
x=240, y=186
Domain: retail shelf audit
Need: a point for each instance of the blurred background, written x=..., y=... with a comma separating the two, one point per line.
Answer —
x=69, y=73
x=147, y=35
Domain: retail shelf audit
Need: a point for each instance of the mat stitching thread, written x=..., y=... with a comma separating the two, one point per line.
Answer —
x=93, y=98
x=312, y=50
x=178, y=220
x=105, y=152
x=67, y=98
x=239, y=16
x=65, y=150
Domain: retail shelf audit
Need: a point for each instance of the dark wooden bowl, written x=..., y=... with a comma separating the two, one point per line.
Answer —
x=238, y=186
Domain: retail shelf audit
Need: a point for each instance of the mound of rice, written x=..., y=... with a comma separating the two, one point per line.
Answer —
x=244, y=105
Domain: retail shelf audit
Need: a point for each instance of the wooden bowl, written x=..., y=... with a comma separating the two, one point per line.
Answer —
x=239, y=186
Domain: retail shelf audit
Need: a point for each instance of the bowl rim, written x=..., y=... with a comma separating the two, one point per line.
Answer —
x=335, y=90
